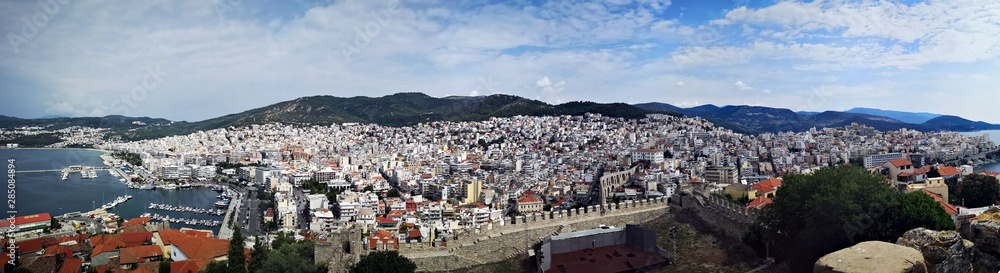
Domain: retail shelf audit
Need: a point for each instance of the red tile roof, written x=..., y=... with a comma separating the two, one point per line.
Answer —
x=530, y=198
x=396, y=213
x=900, y=162
x=71, y=265
x=188, y=266
x=383, y=236
x=384, y=220
x=990, y=173
x=949, y=208
x=949, y=171
x=768, y=185
x=59, y=249
x=414, y=233
x=195, y=247
x=134, y=255
x=759, y=203
x=27, y=219
x=34, y=245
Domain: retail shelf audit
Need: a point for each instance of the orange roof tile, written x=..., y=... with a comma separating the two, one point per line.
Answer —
x=71, y=265
x=34, y=245
x=132, y=255
x=188, y=266
x=949, y=171
x=900, y=162
x=195, y=247
x=949, y=208
x=759, y=202
x=529, y=199
x=59, y=249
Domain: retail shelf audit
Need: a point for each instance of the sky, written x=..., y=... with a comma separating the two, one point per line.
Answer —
x=196, y=59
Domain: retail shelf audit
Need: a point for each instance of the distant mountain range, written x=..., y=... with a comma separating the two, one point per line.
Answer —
x=758, y=119
x=399, y=109
x=403, y=109
x=908, y=117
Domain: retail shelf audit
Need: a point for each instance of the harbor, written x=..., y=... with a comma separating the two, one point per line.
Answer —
x=118, y=201
x=215, y=212
x=178, y=220
x=40, y=183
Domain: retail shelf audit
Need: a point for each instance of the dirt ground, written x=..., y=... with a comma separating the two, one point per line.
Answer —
x=699, y=249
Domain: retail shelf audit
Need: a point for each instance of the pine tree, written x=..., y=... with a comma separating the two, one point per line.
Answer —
x=237, y=259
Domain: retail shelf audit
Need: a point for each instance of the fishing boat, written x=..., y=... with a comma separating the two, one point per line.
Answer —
x=222, y=203
x=170, y=187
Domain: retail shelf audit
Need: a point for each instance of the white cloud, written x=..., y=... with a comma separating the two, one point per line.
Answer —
x=905, y=35
x=743, y=86
x=91, y=54
x=550, y=91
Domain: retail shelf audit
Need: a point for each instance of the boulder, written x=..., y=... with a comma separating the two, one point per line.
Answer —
x=872, y=256
x=944, y=251
x=985, y=233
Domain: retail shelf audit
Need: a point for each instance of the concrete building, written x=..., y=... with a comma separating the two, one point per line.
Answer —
x=654, y=156
x=629, y=249
x=871, y=161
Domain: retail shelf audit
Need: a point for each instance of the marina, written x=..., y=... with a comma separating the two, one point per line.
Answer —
x=178, y=220
x=41, y=181
x=215, y=212
x=118, y=201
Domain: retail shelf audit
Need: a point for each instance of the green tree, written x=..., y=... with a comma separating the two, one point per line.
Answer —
x=834, y=208
x=384, y=262
x=164, y=267
x=281, y=239
x=257, y=255
x=292, y=257
x=979, y=190
x=393, y=193
x=215, y=267
x=236, y=257
x=55, y=224
x=369, y=188
x=933, y=173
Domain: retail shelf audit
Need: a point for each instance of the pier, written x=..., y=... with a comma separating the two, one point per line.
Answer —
x=193, y=222
x=215, y=212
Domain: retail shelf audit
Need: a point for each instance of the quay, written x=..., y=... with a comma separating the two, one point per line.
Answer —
x=215, y=212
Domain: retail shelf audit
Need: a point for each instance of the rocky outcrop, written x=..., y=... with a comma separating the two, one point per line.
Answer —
x=985, y=233
x=872, y=256
x=944, y=251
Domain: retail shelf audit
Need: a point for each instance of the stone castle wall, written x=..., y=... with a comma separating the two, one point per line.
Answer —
x=516, y=236
x=727, y=218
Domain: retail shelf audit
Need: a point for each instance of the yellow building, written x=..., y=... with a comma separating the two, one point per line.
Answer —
x=935, y=185
x=739, y=191
x=474, y=189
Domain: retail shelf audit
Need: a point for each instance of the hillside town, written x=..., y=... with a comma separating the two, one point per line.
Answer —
x=440, y=180
x=447, y=176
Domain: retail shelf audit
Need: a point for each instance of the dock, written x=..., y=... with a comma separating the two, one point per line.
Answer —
x=215, y=212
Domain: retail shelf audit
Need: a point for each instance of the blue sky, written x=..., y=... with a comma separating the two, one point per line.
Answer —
x=193, y=60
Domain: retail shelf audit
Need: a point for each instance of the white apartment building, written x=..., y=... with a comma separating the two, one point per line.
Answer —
x=654, y=156
x=878, y=159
